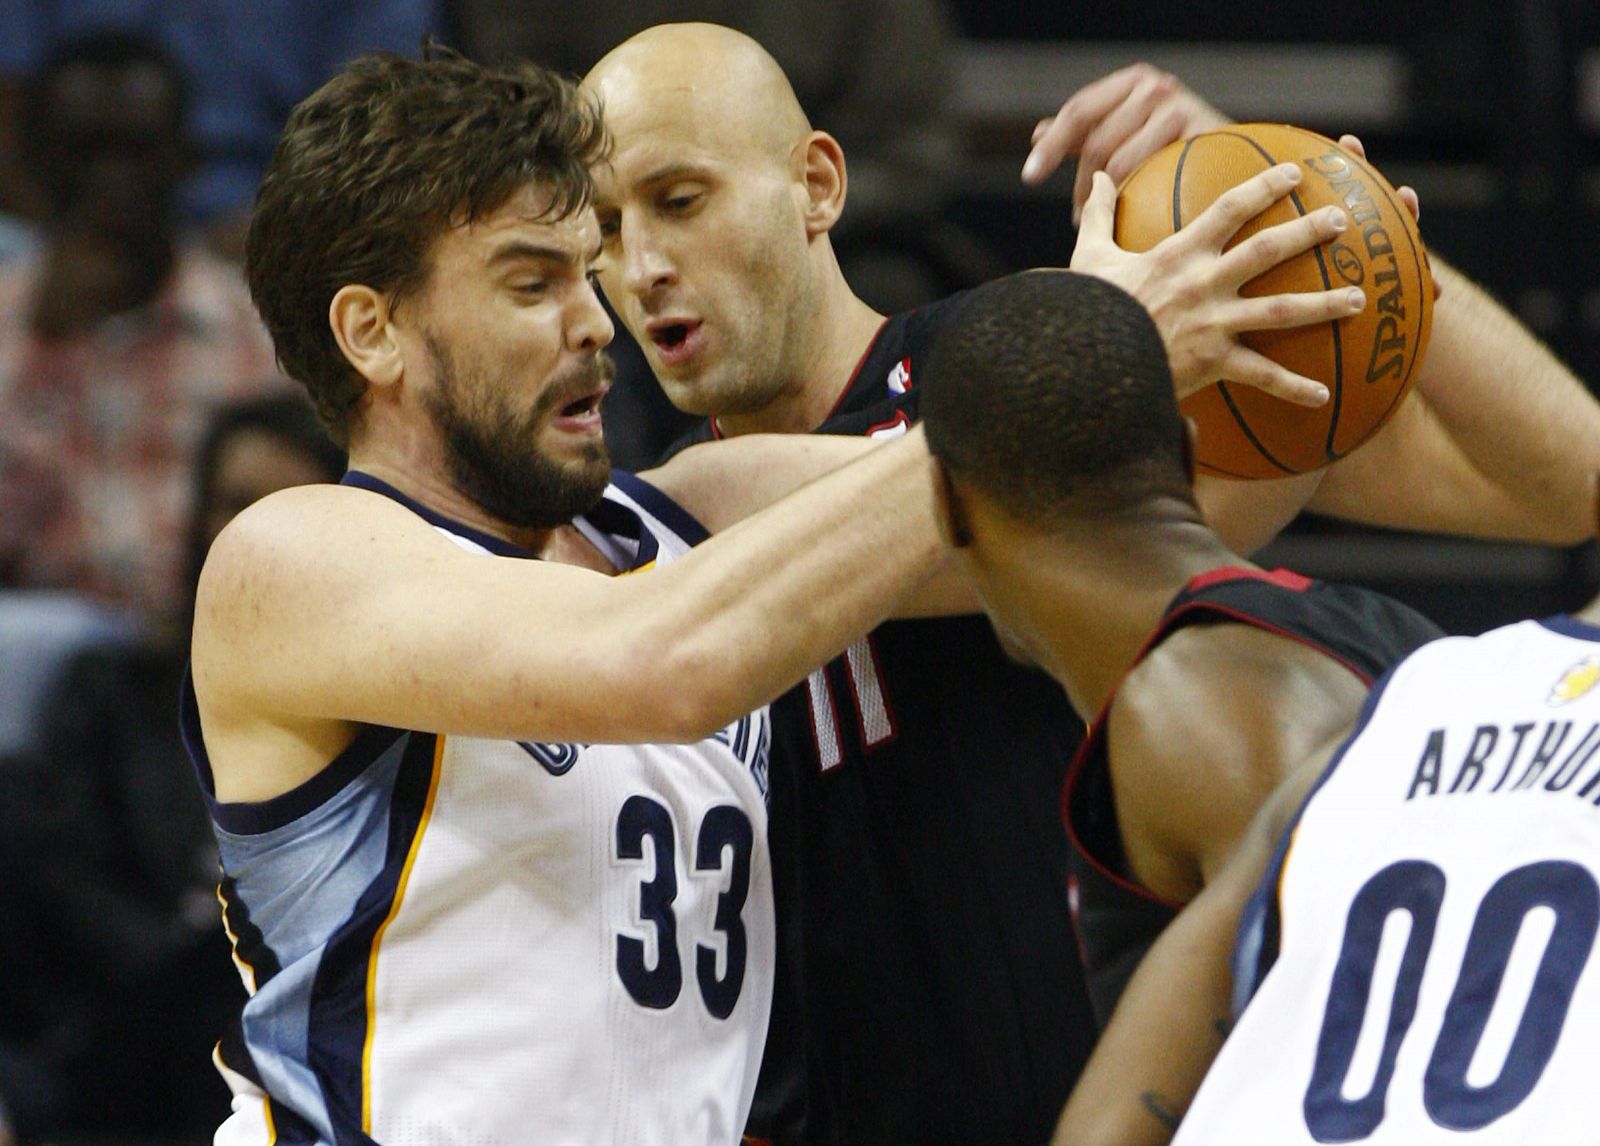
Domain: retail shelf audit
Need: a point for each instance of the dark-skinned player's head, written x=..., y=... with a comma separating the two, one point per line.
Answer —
x=1049, y=395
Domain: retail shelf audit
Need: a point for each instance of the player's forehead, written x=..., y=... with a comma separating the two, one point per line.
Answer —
x=521, y=226
x=652, y=145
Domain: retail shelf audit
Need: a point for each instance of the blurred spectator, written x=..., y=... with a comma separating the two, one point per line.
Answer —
x=250, y=63
x=115, y=335
x=115, y=989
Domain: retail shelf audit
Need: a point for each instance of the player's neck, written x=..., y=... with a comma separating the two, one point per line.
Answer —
x=824, y=358
x=1108, y=593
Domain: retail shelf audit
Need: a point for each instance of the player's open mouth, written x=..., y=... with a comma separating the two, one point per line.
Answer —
x=674, y=341
x=588, y=404
x=581, y=415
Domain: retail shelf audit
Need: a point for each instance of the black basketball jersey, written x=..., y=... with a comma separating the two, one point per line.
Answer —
x=1116, y=918
x=928, y=979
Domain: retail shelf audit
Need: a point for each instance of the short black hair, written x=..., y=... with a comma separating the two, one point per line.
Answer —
x=1050, y=393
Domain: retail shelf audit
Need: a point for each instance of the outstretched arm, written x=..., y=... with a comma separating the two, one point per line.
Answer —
x=1499, y=438
x=723, y=482
x=324, y=607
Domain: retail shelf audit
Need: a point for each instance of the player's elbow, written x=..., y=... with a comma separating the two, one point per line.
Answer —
x=681, y=691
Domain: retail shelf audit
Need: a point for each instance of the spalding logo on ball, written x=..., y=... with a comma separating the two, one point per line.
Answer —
x=1368, y=361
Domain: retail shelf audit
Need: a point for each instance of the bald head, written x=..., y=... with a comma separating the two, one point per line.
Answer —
x=715, y=206
x=702, y=73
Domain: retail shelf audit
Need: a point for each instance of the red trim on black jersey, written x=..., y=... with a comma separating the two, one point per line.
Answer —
x=1284, y=578
x=1170, y=622
x=899, y=419
x=1074, y=774
x=1256, y=622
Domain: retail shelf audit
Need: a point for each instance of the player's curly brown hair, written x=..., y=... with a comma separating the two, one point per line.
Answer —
x=374, y=166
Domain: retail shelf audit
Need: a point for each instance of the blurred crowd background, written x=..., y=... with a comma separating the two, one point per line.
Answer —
x=140, y=407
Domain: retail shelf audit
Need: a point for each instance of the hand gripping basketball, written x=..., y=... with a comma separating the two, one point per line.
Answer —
x=1192, y=281
x=1368, y=360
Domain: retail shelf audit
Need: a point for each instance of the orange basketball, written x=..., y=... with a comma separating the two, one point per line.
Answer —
x=1368, y=361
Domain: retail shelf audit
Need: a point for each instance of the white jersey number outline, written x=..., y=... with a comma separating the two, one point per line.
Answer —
x=871, y=701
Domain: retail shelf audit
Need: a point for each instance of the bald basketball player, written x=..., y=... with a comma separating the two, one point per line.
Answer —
x=919, y=857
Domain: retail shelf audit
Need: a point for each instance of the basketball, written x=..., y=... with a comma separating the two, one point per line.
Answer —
x=1368, y=361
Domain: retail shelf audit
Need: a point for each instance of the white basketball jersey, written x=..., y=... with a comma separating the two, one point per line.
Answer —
x=1433, y=915
x=458, y=940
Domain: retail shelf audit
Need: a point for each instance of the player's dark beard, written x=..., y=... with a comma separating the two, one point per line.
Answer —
x=493, y=451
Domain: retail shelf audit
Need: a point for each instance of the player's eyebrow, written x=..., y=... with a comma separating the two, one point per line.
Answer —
x=670, y=171
x=523, y=249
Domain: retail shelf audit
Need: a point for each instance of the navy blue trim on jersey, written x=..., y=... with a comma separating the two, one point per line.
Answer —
x=250, y=946
x=336, y=1032
x=248, y=819
x=234, y=1054
x=614, y=519
x=1569, y=626
x=660, y=506
x=289, y=1129
x=496, y=545
x=1255, y=947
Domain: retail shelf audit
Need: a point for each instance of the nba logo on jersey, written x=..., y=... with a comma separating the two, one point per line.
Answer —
x=900, y=377
x=1577, y=681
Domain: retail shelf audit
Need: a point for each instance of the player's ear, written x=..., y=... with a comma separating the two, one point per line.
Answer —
x=359, y=317
x=948, y=508
x=1191, y=435
x=819, y=163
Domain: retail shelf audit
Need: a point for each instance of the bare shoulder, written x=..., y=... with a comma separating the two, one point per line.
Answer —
x=1217, y=685
x=285, y=522
x=307, y=533
x=321, y=609
x=1203, y=730
x=284, y=565
x=1189, y=700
